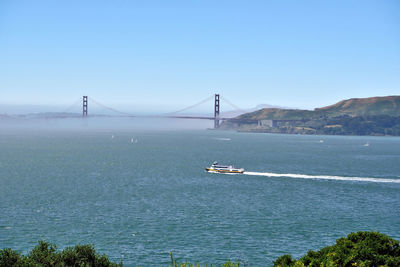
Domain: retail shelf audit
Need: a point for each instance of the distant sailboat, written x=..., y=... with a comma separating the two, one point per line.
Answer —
x=321, y=141
x=131, y=140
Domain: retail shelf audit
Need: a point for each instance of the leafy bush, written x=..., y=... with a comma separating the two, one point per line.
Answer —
x=357, y=249
x=9, y=257
x=45, y=254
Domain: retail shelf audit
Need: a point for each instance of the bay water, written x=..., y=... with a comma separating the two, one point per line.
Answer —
x=138, y=195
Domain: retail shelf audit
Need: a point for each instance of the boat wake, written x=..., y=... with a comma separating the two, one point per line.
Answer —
x=324, y=177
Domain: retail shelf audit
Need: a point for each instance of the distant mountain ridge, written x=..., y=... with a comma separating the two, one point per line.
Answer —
x=372, y=106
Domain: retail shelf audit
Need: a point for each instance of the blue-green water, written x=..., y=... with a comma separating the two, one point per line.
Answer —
x=137, y=201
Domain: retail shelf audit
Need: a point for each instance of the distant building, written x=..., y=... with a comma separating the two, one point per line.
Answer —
x=277, y=123
x=269, y=123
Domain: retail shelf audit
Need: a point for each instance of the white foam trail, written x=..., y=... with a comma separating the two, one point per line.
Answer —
x=222, y=139
x=325, y=177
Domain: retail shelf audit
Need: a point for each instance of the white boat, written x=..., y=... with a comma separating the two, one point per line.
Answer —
x=223, y=169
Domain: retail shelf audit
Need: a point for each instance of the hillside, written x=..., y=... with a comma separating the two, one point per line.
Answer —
x=356, y=116
x=372, y=106
x=385, y=105
x=279, y=114
x=235, y=113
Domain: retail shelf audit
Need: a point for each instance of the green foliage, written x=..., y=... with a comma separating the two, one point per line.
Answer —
x=9, y=257
x=45, y=254
x=285, y=260
x=84, y=255
x=368, y=125
x=357, y=249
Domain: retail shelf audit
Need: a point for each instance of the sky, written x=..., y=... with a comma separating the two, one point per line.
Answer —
x=161, y=56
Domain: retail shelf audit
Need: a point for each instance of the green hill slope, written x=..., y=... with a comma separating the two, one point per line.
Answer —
x=386, y=105
x=372, y=106
x=356, y=116
x=279, y=114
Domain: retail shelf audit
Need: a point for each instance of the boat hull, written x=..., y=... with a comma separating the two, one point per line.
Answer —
x=224, y=171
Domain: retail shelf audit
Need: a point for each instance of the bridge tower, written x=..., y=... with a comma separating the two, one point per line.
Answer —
x=216, y=111
x=85, y=106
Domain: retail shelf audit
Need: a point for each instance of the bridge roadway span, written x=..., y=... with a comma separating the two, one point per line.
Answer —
x=182, y=117
x=196, y=118
x=157, y=117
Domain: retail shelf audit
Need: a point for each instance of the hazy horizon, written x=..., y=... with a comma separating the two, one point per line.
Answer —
x=157, y=56
x=207, y=108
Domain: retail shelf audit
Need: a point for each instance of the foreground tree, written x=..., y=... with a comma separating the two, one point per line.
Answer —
x=45, y=254
x=357, y=249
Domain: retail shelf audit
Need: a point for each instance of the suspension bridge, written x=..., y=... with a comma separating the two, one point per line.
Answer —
x=176, y=114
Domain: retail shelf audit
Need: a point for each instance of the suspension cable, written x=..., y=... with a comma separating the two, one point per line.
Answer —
x=110, y=108
x=72, y=106
x=233, y=105
x=165, y=114
x=192, y=106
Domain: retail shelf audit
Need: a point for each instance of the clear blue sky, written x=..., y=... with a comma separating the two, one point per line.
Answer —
x=165, y=55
